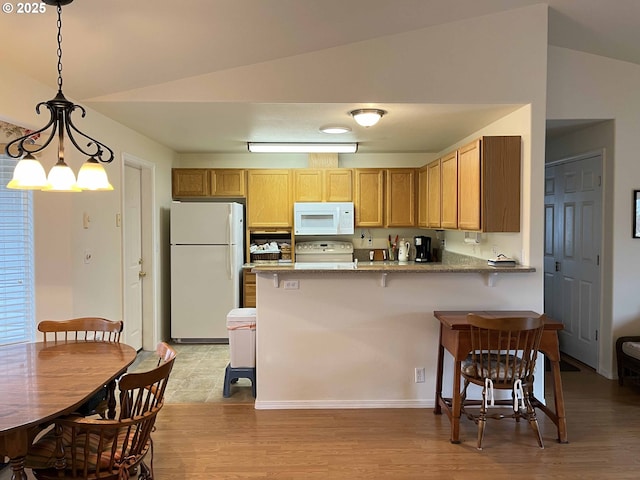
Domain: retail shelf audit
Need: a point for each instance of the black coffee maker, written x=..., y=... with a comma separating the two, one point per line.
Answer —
x=423, y=248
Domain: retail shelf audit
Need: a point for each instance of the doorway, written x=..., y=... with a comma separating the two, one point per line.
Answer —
x=572, y=252
x=139, y=261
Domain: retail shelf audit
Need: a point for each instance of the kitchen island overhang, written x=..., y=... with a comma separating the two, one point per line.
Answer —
x=342, y=339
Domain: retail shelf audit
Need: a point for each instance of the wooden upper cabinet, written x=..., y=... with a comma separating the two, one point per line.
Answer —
x=228, y=182
x=190, y=182
x=422, y=199
x=489, y=184
x=369, y=197
x=469, y=201
x=338, y=185
x=400, y=197
x=449, y=192
x=207, y=182
x=308, y=185
x=323, y=185
x=269, y=198
x=434, y=195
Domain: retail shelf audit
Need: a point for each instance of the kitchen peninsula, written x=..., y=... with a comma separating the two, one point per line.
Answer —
x=362, y=337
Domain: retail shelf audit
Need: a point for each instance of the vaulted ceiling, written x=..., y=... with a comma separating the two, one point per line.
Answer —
x=119, y=52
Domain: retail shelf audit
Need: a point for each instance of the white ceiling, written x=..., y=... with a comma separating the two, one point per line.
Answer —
x=115, y=50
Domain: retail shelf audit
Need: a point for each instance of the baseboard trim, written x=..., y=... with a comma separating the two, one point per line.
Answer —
x=341, y=404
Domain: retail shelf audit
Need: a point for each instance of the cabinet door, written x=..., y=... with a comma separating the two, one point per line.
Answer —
x=501, y=158
x=400, y=197
x=421, y=196
x=228, y=182
x=307, y=185
x=190, y=182
x=269, y=198
x=469, y=200
x=338, y=185
x=368, y=202
x=434, y=195
x=249, y=289
x=449, y=173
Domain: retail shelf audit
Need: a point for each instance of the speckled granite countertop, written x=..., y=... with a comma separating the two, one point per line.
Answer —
x=388, y=267
x=452, y=263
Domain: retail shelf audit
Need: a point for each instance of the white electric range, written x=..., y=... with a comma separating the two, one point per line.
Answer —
x=324, y=254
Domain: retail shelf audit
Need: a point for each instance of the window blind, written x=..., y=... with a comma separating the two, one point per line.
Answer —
x=17, y=309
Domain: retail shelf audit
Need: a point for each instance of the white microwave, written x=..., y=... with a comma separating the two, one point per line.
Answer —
x=323, y=218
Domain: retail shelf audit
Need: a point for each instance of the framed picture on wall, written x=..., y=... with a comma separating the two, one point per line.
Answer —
x=636, y=214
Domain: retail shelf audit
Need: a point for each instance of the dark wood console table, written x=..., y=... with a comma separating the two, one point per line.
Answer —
x=454, y=337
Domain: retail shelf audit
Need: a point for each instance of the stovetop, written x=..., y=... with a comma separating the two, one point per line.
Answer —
x=324, y=251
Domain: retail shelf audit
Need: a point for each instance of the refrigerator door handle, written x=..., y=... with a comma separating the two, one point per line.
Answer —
x=229, y=256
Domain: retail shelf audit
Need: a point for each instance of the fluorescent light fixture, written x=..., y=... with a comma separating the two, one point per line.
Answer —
x=258, y=147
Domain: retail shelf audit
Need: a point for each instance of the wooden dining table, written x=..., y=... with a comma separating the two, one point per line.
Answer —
x=44, y=380
x=455, y=337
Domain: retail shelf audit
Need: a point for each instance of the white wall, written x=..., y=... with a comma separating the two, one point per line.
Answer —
x=66, y=286
x=585, y=86
x=342, y=340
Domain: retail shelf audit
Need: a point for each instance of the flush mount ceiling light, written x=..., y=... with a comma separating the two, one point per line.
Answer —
x=367, y=117
x=260, y=147
x=29, y=174
x=335, y=129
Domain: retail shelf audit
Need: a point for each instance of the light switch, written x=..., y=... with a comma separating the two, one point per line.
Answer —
x=85, y=220
x=87, y=256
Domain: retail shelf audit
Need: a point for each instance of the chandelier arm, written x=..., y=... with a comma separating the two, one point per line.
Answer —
x=70, y=127
x=20, y=142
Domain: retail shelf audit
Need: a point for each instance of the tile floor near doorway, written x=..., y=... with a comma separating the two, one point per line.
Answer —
x=198, y=375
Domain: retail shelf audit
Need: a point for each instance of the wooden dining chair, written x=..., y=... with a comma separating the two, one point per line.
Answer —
x=85, y=328
x=92, y=448
x=94, y=329
x=503, y=357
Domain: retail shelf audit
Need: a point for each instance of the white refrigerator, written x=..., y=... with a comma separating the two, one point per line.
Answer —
x=206, y=267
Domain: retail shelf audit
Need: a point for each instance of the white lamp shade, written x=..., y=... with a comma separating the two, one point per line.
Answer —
x=28, y=175
x=92, y=176
x=367, y=117
x=61, y=179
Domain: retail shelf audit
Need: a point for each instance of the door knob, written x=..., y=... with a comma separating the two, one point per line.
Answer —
x=557, y=266
x=142, y=274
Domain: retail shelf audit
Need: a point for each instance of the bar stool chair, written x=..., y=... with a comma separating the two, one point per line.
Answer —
x=503, y=357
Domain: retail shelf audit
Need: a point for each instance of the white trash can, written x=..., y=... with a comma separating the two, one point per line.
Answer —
x=241, y=324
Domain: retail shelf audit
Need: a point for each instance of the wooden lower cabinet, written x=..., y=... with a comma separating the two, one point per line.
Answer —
x=248, y=288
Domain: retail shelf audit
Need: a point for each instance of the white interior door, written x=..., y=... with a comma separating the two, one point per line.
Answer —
x=134, y=262
x=573, y=240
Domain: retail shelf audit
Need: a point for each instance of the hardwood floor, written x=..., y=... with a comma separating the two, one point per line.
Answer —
x=222, y=441
x=234, y=441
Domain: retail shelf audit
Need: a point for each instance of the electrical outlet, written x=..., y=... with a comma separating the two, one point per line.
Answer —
x=291, y=285
x=419, y=374
x=370, y=241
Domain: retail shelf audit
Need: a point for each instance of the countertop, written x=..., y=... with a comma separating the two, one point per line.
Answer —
x=386, y=267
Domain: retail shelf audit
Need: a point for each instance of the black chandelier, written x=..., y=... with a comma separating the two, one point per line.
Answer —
x=29, y=173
